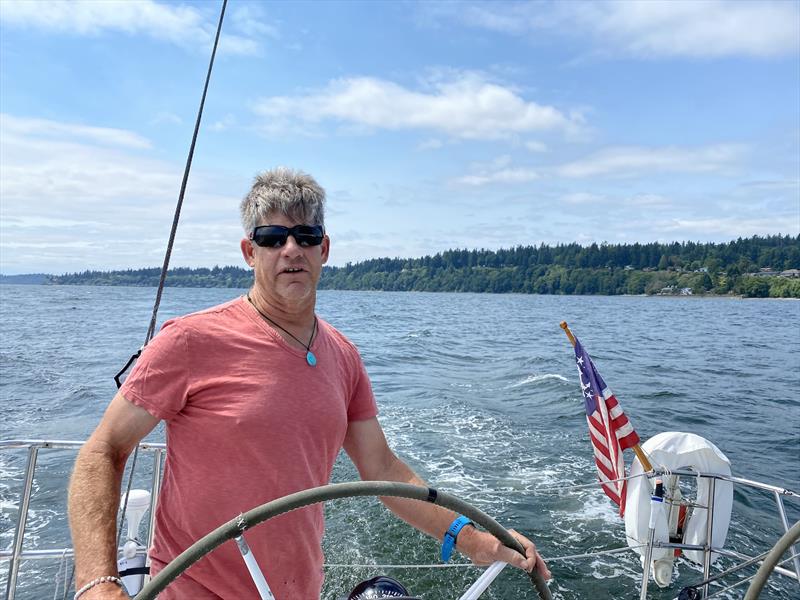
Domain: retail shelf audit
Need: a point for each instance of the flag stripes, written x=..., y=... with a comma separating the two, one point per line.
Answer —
x=610, y=431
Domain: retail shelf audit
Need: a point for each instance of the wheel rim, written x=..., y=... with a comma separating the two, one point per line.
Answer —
x=253, y=517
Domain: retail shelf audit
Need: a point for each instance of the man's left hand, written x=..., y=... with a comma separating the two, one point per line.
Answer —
x=483, y=549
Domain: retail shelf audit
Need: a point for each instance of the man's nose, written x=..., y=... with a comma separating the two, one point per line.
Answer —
x=291, y=247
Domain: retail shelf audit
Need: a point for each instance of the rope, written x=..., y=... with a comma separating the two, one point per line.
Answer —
x=165, y=267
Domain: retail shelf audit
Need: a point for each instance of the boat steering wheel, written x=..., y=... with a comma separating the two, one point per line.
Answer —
x=235, y=527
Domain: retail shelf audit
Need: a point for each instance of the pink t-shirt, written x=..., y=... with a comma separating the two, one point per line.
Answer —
x=248, y=421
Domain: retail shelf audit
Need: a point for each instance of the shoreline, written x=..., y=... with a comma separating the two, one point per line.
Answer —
x=670, y=296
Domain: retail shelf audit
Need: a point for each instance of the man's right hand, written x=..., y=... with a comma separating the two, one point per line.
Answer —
x=94, y=495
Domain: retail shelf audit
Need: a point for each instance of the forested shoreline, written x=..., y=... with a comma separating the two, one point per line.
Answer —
x=751, y=267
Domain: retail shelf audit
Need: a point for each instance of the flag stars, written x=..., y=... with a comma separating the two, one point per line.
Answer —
x=585, y=387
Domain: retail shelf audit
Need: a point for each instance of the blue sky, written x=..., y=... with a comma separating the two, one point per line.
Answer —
x=432, y=125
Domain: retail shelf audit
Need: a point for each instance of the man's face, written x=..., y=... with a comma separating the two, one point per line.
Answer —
x=286, y=275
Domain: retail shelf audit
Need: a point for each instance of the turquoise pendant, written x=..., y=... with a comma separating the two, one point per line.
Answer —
x=311, y=359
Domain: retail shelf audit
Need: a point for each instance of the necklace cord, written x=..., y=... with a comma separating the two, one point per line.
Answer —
x=289, y=333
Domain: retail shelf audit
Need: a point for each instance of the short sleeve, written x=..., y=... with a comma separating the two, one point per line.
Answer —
x=362, y=404
x=159, y=380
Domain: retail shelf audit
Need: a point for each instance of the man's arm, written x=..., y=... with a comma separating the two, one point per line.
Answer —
x=366, y=445
x=94, y=493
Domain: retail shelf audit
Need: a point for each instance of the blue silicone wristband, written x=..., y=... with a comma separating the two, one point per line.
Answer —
x=449, y=541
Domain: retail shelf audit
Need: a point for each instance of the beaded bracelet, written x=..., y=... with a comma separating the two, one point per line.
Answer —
x=98, y=581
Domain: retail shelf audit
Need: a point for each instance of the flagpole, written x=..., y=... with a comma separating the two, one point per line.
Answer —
x=637, y=448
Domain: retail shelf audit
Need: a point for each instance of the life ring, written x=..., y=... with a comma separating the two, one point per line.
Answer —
x=674, y=451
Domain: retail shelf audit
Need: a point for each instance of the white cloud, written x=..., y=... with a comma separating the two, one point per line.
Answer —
x=249, y=19
x=729, y=227
x=106, y=202
x=181, y=25
x=51, y=161
x=166, y=117
x=536, y=146
x=519, y=175
x=618, y=162
x=648, y=29
x=223, y=124
x=497, y=171
x=583, y=198
x=650, y=200
x=628, y=161
x=626, y=201
x=467, y=106
x=238, y=45
x=694, y=29
x=430, y=144
x=39, y=128
x=773, y=185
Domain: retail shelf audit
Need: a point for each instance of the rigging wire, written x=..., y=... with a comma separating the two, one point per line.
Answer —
x=170, y=243
x=151, y=329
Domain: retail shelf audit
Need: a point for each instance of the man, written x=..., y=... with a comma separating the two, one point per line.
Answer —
x=258, y=395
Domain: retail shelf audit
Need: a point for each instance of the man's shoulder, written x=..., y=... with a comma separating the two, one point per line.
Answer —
x=203, y=320
x=229, y=308
x=338, y=337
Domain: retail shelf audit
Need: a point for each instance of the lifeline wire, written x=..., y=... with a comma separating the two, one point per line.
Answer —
x=559, y=488
x=471, y=566
x=746, y=579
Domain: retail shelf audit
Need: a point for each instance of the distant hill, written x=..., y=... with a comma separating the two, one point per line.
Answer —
x=225, y=277
x=753, y=267
x=28, y=279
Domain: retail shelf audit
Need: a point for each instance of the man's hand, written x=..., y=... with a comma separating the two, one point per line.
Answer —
x=483, y=549
x=366, y=445
x=94, y=495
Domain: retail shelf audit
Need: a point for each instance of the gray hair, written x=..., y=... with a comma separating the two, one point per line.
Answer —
x=281, y=190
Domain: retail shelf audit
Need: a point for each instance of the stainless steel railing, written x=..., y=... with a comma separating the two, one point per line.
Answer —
x=778, y=492
x=16, y=555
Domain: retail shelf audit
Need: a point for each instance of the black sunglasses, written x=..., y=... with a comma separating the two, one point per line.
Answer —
x=275, y=236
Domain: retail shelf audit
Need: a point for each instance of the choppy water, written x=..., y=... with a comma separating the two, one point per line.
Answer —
x=478, y=393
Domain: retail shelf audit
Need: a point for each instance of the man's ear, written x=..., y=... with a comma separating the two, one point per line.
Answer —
x=326, y=248
x=248, y=252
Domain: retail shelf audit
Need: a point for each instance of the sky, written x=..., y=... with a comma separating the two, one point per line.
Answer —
x=431, y=125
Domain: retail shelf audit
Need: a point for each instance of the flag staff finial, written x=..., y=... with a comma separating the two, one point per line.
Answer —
x=637, y=448
x=565, y=327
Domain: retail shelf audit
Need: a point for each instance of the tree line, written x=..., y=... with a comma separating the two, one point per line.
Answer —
x=654, y=268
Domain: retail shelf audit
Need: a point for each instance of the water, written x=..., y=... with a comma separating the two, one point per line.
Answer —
x=478, y=393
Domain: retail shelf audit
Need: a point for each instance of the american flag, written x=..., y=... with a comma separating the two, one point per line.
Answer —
x=609, y=428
